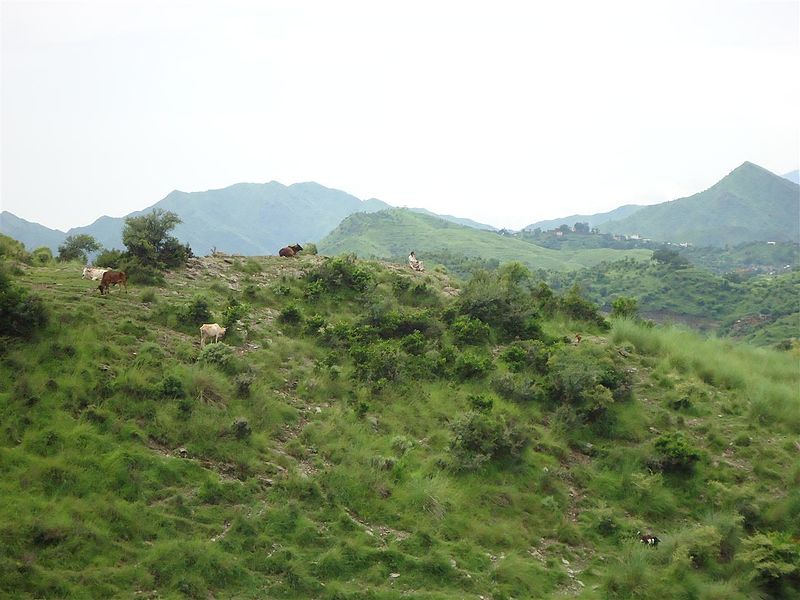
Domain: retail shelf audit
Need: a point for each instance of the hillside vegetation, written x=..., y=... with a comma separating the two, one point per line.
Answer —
x=365, y=431
x=749, y=204
x=765, y=309
x=395, y=232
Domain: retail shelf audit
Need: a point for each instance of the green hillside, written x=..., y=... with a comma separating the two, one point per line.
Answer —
x=765, y=309
x=366, y=432
x=395, y=232
x=749, y=204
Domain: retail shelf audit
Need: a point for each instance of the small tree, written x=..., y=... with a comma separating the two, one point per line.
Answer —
x=75, y=247
x=148, y=241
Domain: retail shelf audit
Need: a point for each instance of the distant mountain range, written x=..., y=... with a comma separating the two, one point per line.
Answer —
x=793, y=176
x=246, y=218
x=748, y=204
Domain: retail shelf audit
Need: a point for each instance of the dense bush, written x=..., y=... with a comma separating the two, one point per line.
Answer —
x=290, y=314
x=341, y=273
x=42, y=256
x=381, y=360
x=517, y=388
x=234, y=312
x=575, y=306
x=775, y=558
x=389, y=322
x=470, y=365
x=197, y=312
x=21, y=313
x=481, y=436
x=586, y=378
x=675, y=453
x=467, y=330
x=219, y=354
x=527, y=354
x=501, y=303
x=626, y=307
x=109, y=258
x=12, y=249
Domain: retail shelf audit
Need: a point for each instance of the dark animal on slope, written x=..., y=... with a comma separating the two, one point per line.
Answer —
x=290, y=250
x=648, y=539
x=113, y=278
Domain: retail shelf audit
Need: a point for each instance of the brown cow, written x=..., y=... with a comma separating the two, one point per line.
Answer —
x=113, y=278
x=290, y=250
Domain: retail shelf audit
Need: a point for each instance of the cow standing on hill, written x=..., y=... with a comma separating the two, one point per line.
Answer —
x=113, y=278
x=289, y=251
x=211, y=330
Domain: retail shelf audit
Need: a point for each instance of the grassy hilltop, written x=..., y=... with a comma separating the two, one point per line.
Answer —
x=368, y=432
x=394, y=232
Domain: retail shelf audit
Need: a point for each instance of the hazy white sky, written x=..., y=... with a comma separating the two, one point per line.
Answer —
x=504, y=112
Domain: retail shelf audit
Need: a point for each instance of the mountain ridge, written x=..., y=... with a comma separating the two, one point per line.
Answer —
x=749, y=204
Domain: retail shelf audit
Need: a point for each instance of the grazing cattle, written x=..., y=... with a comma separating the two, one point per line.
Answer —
x=290, y=250
x=93, y=273
x=210, y=330
x=113, y=278
x=648, y=539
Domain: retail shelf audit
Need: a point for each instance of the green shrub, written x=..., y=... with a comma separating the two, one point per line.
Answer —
x=235, y=311
x=290, y=314
x=197, y=312
x=310, y=248
x=148, y=297
x=109, y=258
x=501, y=304
x=518, y=389
x=575, y=306
x=218, y=354
x=480, y=436
x=414, y=343
x=587, y=378
x=675, y=453
x=480, y=403
x=381, y=360
x=341, y=273
x=625, y=307
x=21, y=313
x=243, y=383
x=470, y=365
x=526, y=354
x=775, y=559
x=42, y=256
x=467, y=330
x=172, y=387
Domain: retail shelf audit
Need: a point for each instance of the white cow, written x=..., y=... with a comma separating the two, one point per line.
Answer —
x=93, y=273
x=210, y=330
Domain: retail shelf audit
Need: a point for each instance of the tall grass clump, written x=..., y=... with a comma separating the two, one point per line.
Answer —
x=768, y=379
